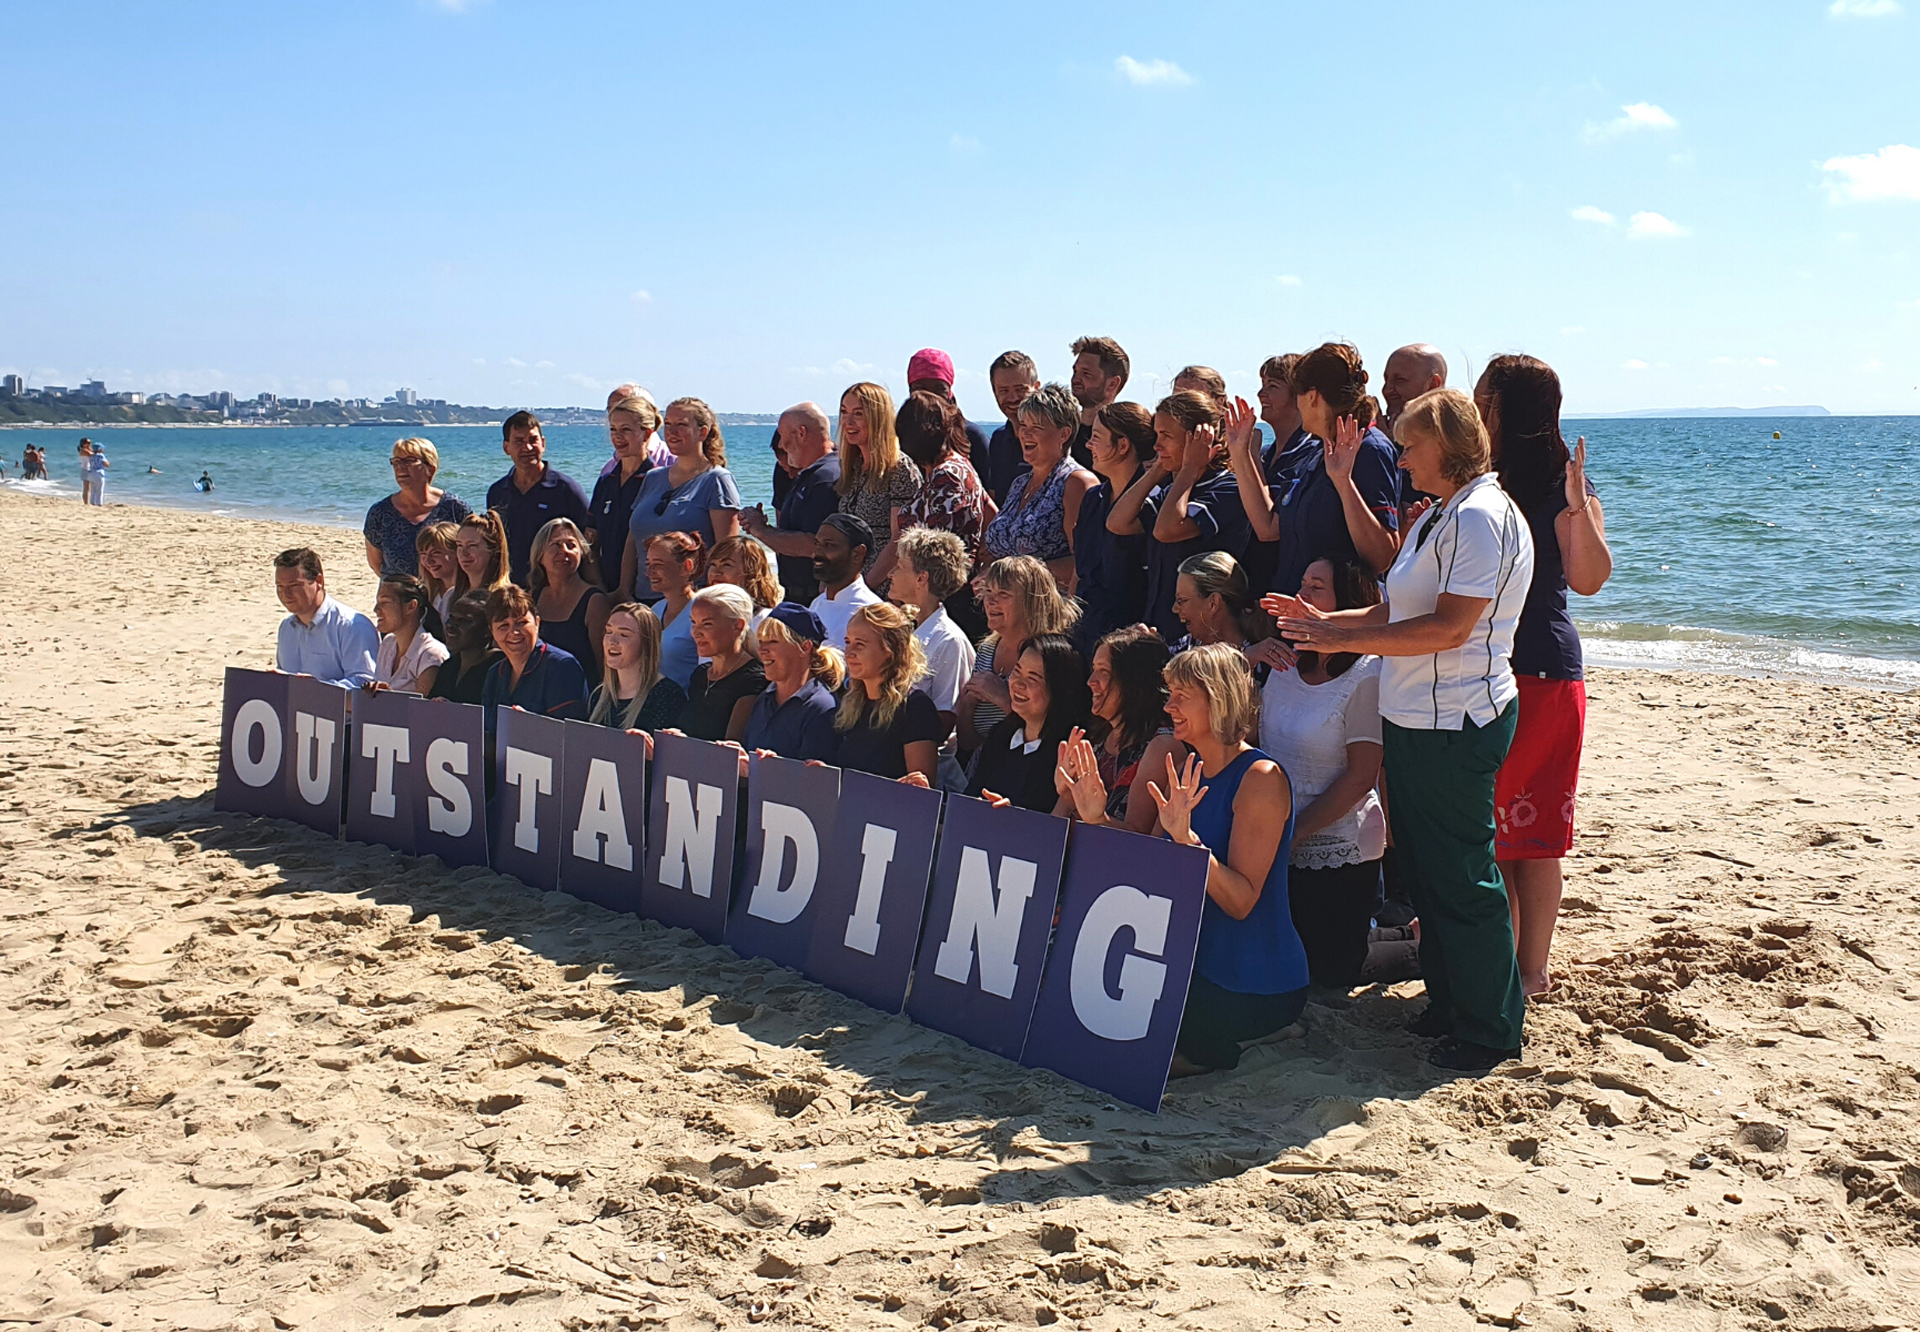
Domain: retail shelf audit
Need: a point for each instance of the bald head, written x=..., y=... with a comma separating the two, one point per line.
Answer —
x=805, y=435
x=1411, y=371
x=627, y=391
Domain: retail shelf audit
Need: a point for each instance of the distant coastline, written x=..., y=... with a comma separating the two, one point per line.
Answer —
x=1697, y=413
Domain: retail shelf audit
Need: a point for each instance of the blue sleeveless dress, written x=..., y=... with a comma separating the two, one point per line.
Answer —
x=1261, y=954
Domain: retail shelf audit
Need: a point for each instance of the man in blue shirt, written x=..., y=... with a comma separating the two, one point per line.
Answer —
x=1100, y=370
x=1013, y=376
x=532, y=494
x=333, y=643
x=807, y=441
x=535, y=677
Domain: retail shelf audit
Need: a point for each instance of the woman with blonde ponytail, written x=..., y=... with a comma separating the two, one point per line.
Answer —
x=793, y=717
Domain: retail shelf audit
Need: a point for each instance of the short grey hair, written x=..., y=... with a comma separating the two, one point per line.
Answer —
x=1053, y=404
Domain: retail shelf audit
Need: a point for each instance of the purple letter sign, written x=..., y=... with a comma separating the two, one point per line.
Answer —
x=316, y=752
x=450, y=787
x=689, y=864
x=382, y=771
x=790, y=809
x=604, y=792
x=529, y=752
x=253, y=745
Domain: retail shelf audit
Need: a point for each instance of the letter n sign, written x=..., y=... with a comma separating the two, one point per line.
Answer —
x=1116, y=980
x=529, y=753
x=606, y=815
x=690, y=821
x=994, y=886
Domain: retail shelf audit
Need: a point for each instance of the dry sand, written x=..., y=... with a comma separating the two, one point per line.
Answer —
x=258, y=1079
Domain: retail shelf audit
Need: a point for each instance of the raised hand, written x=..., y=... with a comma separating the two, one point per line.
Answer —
x=1241, y=421
x=1577, y=474
x=1177, y=802
x=1343, y=448
x=1272, y=652
x=1078, y=775
x=1283, y=607
x=1199, y=453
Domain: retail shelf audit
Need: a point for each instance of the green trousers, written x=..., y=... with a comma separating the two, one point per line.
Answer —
x=1440, y=800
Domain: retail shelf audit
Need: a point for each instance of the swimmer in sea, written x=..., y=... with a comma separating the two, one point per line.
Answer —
x=153, y=471
x=205, y=483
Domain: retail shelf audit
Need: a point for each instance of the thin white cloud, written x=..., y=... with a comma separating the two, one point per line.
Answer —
x=1152, y=73
x=1288, y=280
x=1873, y=366
x=641, y=297
x=1723, y=360
x=1764, y=360
x=1573, y=330
x=516, y=363
x=1588, y=213
x=1891, y=173
x=1846, y=9
x=543, y=365
x=964, y=144
x=1643, y=226
x=1633, y=117
x=1635, y=364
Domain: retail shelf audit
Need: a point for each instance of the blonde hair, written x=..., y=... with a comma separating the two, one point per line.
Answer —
x=712, y=447
x=906, y=663
x=882, y=451
x=755, y=569
x=421, y=450
x=732, y=601
x=603, y=697
x=824, y=664
x=536, y=556
x=1221, y=675
x=1032, y=583
x=638, y=404
x=1448, y=417
x=444, y=537
x=488, y=524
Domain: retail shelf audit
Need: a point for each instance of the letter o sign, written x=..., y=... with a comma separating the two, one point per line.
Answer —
x=256, y=713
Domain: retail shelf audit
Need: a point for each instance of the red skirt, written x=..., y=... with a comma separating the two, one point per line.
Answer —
x=1534, y=793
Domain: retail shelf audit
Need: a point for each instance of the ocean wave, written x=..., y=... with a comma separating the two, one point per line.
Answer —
x=1686, y=647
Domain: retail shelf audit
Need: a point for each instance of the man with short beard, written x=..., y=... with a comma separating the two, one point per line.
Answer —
x=1100, y=370
x=1013, y=376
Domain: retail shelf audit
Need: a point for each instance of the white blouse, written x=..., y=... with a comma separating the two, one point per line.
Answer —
x=402, y=674
x=1306, y=729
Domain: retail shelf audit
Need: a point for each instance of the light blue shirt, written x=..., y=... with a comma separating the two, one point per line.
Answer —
x=678, y=655
x=685, y=508
x=339, y=647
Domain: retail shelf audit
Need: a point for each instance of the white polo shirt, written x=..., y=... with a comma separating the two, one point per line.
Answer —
x=835, y=611
x=1477, y=544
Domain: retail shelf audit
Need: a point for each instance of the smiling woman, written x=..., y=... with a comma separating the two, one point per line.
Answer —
x=393, y=525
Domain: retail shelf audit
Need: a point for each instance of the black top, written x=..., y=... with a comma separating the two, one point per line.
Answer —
x=524, y=513
x=463, y=686
x=664, y=703
x=883, y=751
x=572, y=637
x=1006, y=769
x=710, y=705
x=1000, y=463
x=810, y=499
x=1113, y=573
x=1545, y=643
x=608, y=512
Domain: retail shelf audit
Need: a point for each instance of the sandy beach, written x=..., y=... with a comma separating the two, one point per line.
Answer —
x=264, y=1080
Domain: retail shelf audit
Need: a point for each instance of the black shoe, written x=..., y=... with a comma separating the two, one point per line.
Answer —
x=1431, y=1022
x=1458, y=1056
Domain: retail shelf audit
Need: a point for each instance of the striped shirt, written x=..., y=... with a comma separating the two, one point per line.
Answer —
x=1475, y=545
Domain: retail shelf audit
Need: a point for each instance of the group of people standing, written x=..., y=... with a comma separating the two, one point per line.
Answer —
x=1339, y=658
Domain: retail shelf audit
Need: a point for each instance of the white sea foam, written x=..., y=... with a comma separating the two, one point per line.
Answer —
x=1683, y=648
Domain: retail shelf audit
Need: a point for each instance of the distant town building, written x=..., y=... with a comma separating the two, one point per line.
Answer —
x=93, y=388
x=53, y=391
x=12, y=386
x=219, y=399
x=406, y=397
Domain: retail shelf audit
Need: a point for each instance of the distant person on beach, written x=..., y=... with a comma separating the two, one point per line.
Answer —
x=411, y=652
x=676, y=564
x=695, y=494
x=1320, y=721
x=1448, y=703
x=632, y=693
x=1519, y=399
x=205, y=484
x=1341, y=496
x=876, y=481
x=462, y=678
x=93, y=473
x=633, y=423
x=531, y=675
x=1013, y=376
x=437, y=549
x=930, y=370
x=565, y=584
x=793, y=717
x=1100, y=370
x=320, y=637
x=480, y=553
x=840, y=550
x=806, y=443
x=153, y=471
x=1043, y=504
x=533, y=494
x=393, y=524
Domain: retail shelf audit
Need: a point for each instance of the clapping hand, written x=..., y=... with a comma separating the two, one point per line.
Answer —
x=1342, y=449
x=1198, y=455
x=1241, y=420
x=1177, y=802
x=1272, y=652
x=1577, y=474
x=1078, y=775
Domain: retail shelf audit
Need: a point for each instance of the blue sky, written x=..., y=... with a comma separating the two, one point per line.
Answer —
x=506, y=202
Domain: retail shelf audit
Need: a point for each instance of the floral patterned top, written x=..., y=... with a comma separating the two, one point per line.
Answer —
x=951, y=500
x=1037, y=526
x=874, y=504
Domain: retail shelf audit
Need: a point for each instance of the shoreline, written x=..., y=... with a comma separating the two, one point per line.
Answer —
x=1690, y=651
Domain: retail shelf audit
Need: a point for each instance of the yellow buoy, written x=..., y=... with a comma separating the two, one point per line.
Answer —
x=1776, y=434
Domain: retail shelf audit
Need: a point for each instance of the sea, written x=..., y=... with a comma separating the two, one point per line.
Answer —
x=1776, y=547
